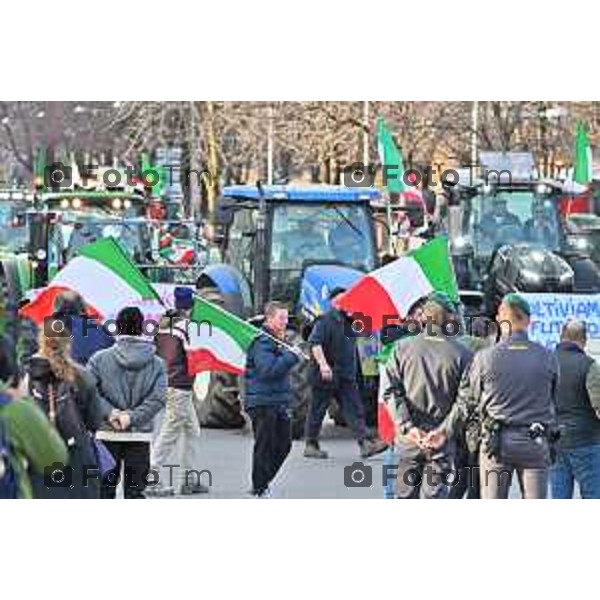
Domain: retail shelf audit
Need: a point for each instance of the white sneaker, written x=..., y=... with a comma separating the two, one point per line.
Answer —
x=264, y=496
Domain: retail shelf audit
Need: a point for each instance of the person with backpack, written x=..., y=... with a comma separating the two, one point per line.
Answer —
x=66, y=394
x=28, y=442
x=131, y=382
x=181, y=421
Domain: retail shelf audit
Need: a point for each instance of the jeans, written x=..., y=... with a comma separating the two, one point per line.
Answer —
x=390, y=459
x=136, y=459
x=180, y=423
x=272, y=444
x=580, y=464
x=347, y=394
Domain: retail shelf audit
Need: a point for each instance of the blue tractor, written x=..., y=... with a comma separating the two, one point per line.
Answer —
x=294, y=244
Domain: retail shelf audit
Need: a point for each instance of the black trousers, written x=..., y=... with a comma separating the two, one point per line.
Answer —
x=272, y=444
x=135, y=456
x=348, y=395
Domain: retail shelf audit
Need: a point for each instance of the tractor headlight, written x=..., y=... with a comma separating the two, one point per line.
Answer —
x=127, y=203
x=116, y=203
x=487, y=189
x=76, y=203
x=64, y=204
x=580, y=243
x=567, y=275
x=537, y=256
x=530, y=276
x=460, y=242
x=542, y=189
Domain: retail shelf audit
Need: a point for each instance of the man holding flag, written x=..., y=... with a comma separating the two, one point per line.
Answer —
x=267, y=398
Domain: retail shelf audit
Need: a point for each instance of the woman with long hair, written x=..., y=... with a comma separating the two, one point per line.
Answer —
x=63, y=389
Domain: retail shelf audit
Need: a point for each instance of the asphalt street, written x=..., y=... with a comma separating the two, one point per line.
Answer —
x=227, y=455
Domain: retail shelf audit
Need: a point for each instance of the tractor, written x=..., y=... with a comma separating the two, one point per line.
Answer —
x=513, y=236
x=15, y=266
x=294, y=244
x=62, y=222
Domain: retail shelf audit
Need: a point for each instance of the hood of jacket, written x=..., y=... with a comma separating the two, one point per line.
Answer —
x=134, y=353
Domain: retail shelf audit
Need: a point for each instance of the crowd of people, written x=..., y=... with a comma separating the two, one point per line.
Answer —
x=468, y=410
x=80, y=417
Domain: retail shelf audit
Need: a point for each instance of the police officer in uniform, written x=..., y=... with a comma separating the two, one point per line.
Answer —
x=424, y=375
x=512, y=387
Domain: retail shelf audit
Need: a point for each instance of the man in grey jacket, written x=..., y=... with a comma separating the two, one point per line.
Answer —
x=424, y=375
x=132, y=384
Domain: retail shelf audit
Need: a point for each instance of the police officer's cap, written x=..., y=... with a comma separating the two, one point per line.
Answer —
x=517, y=301
x=442, y=299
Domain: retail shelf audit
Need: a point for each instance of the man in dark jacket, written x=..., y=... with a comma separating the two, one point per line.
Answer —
x=132, y=386
x=511, y=387
x=578, y=411
x=267, y=398
x=87, y=334
x=336, y=373
x=181, y=422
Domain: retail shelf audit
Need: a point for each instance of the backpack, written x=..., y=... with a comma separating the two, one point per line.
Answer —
x=58, y=400
x=8, y=477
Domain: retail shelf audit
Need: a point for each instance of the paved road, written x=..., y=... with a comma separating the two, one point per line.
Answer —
x=227, y=455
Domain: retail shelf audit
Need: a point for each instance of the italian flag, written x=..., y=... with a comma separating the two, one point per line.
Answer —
x=390, y=157
x=104, y=276
x=218, y=340
x=391, y=290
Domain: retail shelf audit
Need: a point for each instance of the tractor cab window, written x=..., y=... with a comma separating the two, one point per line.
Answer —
x=241, y=244
x=513, y=218
x=134, y=238
x=327, y=232
x=13, y=229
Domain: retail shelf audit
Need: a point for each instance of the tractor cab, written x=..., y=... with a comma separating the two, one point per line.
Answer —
x=62, y=222
x=282, y=241
x=512, y=237
x=295, y=244
x=13, y=230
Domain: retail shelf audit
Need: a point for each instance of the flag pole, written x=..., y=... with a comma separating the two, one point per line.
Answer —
x=366, y=132
x=259, y=330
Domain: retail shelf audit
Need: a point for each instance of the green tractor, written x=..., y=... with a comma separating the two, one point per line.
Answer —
x=294, y=244
x=15, y=266
x=62, y=222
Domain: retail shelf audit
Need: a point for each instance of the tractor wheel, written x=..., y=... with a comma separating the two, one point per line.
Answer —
x=300, y=382
x=221, y=407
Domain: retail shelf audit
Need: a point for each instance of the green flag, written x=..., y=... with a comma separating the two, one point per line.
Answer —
x=391, y=159
x=157, y=186
x=583, y=156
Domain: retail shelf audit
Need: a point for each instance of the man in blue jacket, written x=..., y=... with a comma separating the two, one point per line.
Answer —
x=268, y=366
